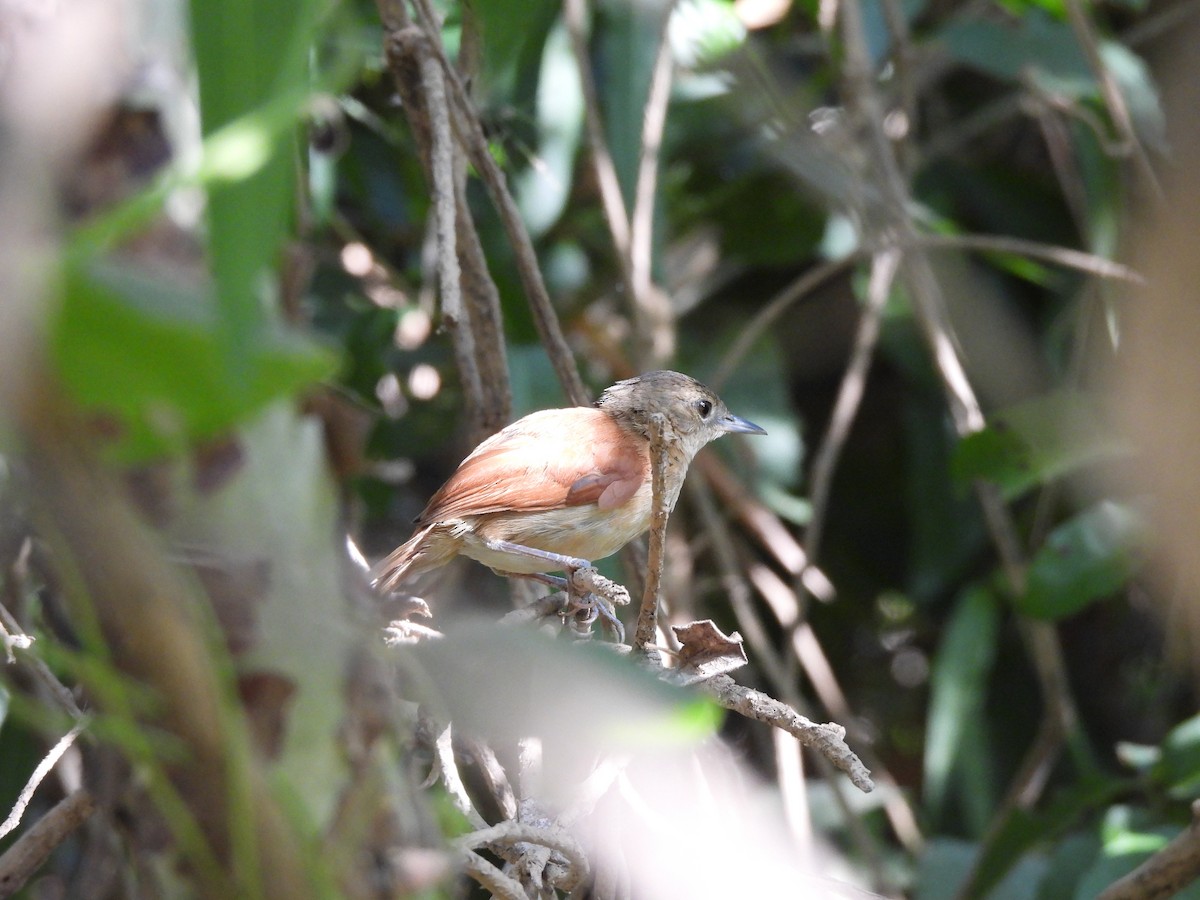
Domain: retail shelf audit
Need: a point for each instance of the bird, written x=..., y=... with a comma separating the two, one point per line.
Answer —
x=561, y=488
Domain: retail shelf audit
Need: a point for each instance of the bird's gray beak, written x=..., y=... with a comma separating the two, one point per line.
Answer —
x=738, y=425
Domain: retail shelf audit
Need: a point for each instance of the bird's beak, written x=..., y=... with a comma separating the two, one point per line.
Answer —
x=738, y=425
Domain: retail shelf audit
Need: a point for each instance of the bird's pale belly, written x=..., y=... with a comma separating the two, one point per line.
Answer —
x=586, y=532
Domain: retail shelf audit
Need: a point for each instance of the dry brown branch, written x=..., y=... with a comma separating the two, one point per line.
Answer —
x=652, y=307
x=500, y=838
x=769, y=314
x=829, y=738
x=850, y=392
x=1114, y=100
x=1088, y=263
x=470, y=300
x=1165, y=873
x=32, y=849
x=15, y=638
x=647, y=623
x=575, y=14
x=491, y=878
x=475, y=143
x=43, y=768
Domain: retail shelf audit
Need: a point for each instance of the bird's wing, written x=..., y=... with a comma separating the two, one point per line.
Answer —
x=547, y=460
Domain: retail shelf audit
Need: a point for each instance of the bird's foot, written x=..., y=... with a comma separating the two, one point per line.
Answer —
x=591, y=590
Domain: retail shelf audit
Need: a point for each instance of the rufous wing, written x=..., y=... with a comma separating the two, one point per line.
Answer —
x=547, y=460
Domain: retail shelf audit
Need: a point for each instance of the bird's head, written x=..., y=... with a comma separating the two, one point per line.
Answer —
x=695, y=414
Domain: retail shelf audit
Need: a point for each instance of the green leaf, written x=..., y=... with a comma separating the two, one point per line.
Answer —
x=1036, y=442
x=958, y=684
x=1035, y=46
x=1088, y=557
x=148, y=360
x=248, y=54
x=1178, y=767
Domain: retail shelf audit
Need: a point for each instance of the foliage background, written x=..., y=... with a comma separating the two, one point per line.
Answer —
x=883, y=230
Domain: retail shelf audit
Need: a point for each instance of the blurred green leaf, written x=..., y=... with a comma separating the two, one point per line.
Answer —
x=1178, y=766
x=1069, y=861
x=246, y=55
x=958, y=692
x=1034, y=46
x=1036, y=442
x=147, y=359
x=1088, y=557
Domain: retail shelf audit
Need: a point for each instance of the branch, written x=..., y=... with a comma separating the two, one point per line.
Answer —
x=1166, y=872
x=39, y=773
x=471, y=134
x=660, y=512
x=827, y=738
x=845, y=408
x=32, y=849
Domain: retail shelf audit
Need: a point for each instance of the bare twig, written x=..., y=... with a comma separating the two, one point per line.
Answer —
x=827, y=738
x=767, y=316
x=845, y=408
x=575, y=14
x=652, y=306
x=39, y=773
x=490, y=877
x=31, y=850
x=1114, y=100
x=475, y=143
x=647, y=623
x=1165, y=873
x=447, y=770
x=16, y=638
x=1088, y=263
x=499, y=837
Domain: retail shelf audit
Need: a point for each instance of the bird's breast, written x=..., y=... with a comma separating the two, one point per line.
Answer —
x=585, y=531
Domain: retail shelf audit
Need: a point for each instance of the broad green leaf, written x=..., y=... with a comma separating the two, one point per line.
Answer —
x=1036, y=442
x=148, y=360
x=1086, y=558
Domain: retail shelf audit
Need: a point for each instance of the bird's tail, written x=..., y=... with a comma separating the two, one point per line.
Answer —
x=416, y=555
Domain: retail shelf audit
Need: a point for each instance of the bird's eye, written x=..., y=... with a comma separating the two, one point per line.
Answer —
x=705, y=408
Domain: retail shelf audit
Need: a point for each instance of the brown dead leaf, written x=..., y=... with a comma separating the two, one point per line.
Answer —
x=706, y=651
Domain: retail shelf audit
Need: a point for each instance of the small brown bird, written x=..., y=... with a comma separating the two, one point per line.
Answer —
x=563, y=487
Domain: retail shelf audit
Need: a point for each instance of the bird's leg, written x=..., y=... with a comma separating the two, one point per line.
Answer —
x=582, y=580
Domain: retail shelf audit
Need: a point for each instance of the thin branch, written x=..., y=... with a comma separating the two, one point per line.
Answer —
x=1087, y=263
x=769, y=314
x=16, y=638
x=652, y=306
x=1165, y=873
x=845, y=408
x=660, y=511
x=49, y=761
x=491, y=878
x=476, y=145
x=575, y=14
x=829, y=738
x=1114, y=100
x=31, y=850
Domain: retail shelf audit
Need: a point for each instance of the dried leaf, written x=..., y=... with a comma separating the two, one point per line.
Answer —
x=706, y=651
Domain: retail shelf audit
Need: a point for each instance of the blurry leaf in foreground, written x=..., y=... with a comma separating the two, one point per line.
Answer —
x=505, y=682
x=1178, y=766
x=1086, y=558
x=146, y=358
x=1035, y=442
